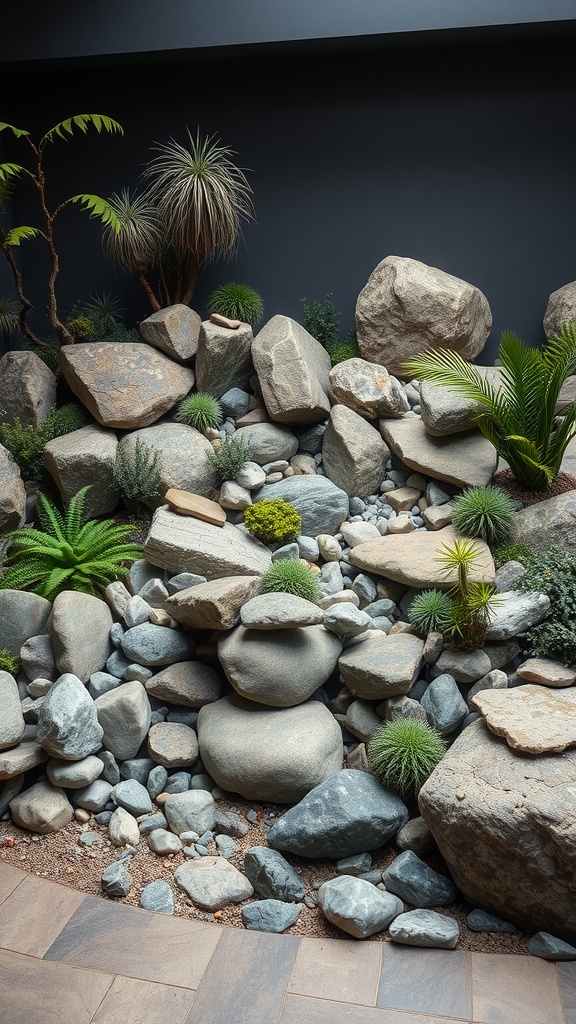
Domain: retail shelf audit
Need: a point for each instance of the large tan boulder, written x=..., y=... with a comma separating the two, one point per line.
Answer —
x=42, y=808
x=213, y=605
x=223, y=360
x=367, y=388
x=83, y=458
x=532, y=719
x=293, y=370
x=407, y=307
x=561, y=307
x=411, y=559
x=27, y=388
x=354, y=453
x=124, y=384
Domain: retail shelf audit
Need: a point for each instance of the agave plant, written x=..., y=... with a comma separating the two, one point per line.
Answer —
x=519, y=417
x=68, y=553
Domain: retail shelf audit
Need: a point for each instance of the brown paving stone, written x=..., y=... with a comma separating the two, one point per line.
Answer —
x=567, y=984
x=36, y=992
x=304, y=1010
x=510, y=989
x=341, y=970
x=10, y=877
x=136, y=943
x=425, y=981
x=246, y=979
x=33, y=916
x=131, y=1001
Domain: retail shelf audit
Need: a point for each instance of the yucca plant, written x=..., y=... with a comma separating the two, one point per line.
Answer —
x=97, y=207
x=472, y=600
x=519, y=417
x=68, y=553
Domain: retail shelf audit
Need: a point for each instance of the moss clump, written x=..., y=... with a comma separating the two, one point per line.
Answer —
x=291, y=576
x=273, y=520
x=403, y=754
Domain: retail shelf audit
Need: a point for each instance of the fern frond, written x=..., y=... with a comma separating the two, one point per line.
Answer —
x=74, y=517
x=10, y=170
x=100, y=209
x=21, y=234
x=82, y=121
x=50, y=518
x=17, y=132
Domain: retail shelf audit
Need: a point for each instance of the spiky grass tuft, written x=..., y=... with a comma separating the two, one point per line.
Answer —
x=430, y=611
x=201, y=411
x=291, y=576
x=237, y=302
x=403, y=754
x=485, y=512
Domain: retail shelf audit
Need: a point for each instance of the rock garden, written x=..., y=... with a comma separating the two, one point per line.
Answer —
x=292, y=645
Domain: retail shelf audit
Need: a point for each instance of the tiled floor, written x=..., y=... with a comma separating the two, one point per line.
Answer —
x=66, y=958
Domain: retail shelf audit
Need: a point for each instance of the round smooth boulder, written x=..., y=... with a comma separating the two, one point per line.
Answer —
x=269, y=754
x=42, y=808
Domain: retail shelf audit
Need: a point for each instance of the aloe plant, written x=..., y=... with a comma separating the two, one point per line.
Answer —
x=68, y=553
x=519, y=417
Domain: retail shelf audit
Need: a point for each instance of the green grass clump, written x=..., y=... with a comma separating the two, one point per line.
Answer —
x=273, y=520
x=237, y=302
x=484, y=512
x=8, y=663
x=510, y=552
x=230, y=456
x=26, y=442
x=137, y=476
x=68, y=553
x=291, y=576
x=430, y=611
x=201, y=411
x=403, y=754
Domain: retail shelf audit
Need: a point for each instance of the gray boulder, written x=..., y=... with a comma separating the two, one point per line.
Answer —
x=357, y=907
x=444, y=705
x=190, y=684
x=293, y=370
x=22, y=615
x=74, y=774
x=27, y=388
x=381, y=665
x=79, y=627
x=561, y=306
x=322, y=505
x=466, y=460
x=279, y=611
x=157, y=896
x=212, y=883
x=68, y=726
x=12, y=493
x=124, y=714
x=223, y=361
x=269, y=443
x=182, y=456
x=192, y=811
x=550, y=948
x=271, y=876
x=415, y=882
x=354, y=453
x=174, y=330
x=173, y=744
x=516, y=612
x=557, y=514
x=11, y=719
x=183, y=543
x=425, y=928
x=152, y=645
x=367, y=388
x=270, y=915
x=37, y=658
x=84, y=458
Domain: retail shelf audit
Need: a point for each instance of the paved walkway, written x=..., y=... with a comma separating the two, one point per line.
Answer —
x=66, y=958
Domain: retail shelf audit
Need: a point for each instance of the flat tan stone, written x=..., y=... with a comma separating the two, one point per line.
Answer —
x=187, y=544
x=223, y=321
x=466, y=460
x=546, y=672
x=533, y=719
x=402, y=498
x=214, y=605
x=410, y=559
x=19, y=759
x=188, y=504
x=382, y=666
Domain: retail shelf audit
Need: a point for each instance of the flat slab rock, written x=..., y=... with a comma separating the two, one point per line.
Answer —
x=466, y=460
x=533, y=719
x=185, y=544
x=411, y=558
x=188, y=504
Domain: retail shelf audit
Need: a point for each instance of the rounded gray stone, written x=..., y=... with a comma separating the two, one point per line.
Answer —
x=93, y=797
x=151, y=645
x=271, y=876
x=11, y=719
x=188, y=683
x=192, y=811
x=346, y=620
x=80, y=630
x=444, y=705
x=133, y=796
x=163, y=842
x=22, y=615
x=279, y=611
x=268, y=441
x=182, y=458
x=357, y=906
x=425, y=928
x=41, y=808
x=157, y=896
x=270, y=915
x=212, y=883
x=172, y=744
x=124, y=714
x=74, y=774
x=322, y=505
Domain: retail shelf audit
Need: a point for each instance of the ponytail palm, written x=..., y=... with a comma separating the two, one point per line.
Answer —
x=519, y=417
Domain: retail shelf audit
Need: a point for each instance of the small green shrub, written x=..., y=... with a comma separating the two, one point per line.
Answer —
x=430, y=611
x=81, y=327
x=345, y=349
x=403, y=754
x=291, y=576
x=273, y=520
x=510, y=552
x=8, y=663
x=552, y=639
x=137, y=476
x=26, y=442
x=322, y=320
x=484, y=512
x=237, y=302
x=231, y=455
x=553, y=573
x=472, y=601
x=67, y=418
x=68, y=553
x=200, y=411
x=49, y=354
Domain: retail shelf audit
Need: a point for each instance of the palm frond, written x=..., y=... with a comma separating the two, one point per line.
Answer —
x=82, y=121
x=100, y=209
x=8, y=171
x=21, y=234
x=17, y=132
x=446, y=367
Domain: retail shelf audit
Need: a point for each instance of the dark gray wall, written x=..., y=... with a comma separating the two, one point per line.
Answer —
x=460, y=155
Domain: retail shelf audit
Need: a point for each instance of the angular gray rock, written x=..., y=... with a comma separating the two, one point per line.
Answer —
x=354, y=453
x=269, y=754
x=174, y=330
x=466, y=460
x=124, y=714
x=116, y=880
x=550, y=948
x=213, y=605
x=348, y=813
x=79, y=627
x=445, y=411
x=463, y=666
x=20, y=759
x=192, y=811
x=266, y=666
x=506, y=827
x=212, y=883
x=223, y=360
x=12, y=493
x=346, y=620
x=481, y=921
x=37, y=658
x=183, y=543
x=182, y=456
x=444, y=705
x=382, y=666
x=357, y=907
x=68, y=726
x=22, y=615
x=271, y=876
x=425, y=928
x=367, y=388
x=11, y=719
x=293, y=370
x=84, y=458
x=322, y=505
x=407, y=307
x=516, y=612
x=279, y=611
x=27, y=388
x=41, y=808
x=415, y=882
x=270, y=915
x=561, y=306
x=557, y=513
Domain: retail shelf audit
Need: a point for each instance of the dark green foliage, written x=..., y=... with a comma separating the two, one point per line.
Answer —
x=50, y=354
x=9, y=323
x=273, y=520
x=200, y=411
x=237, y=302
x=553, y=573
x=81, y=327
x=345, y=349
x=68, y=553
x=322, y=320
x=403, y=754
x=8, y=663
x=291, y=576
x=430, y=611
x=511, y=552
x=137, y=477
x=26, y=443
x=232, y=454
x=552, y=639
x=484, y=512
x=472, y=601
x=99, y=319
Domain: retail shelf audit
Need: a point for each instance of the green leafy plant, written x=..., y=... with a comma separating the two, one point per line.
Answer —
x=430, y=611
x=553, y=572
x=519, y=417
x=472, y=600
x=229, y=457
x=511, y=552
x=104, y=309
x=8, y=663
x=200, y=410
x=322, y=320
x=81, y=327
x=340, y=351
x=137, y=476
x=189, y=214
x=97, y=207
x=48, y=350
x=237, y=302
x=68, y=553
x=273, y=520
x=9, y=323
x=291, y=576
x=26, y=442
x=554, y=640
x=484, y=512
x=403, y=754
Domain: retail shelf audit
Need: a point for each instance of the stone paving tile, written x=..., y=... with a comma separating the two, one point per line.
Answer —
x=34, y=914
x=305, y=1010
x=510, y=989
x=136, y=943
x=131, y=1001
x=343, y=970
x=433, y=981
x=246, y=979
x=567, y=983
x=33, y=991
x=10, y=877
